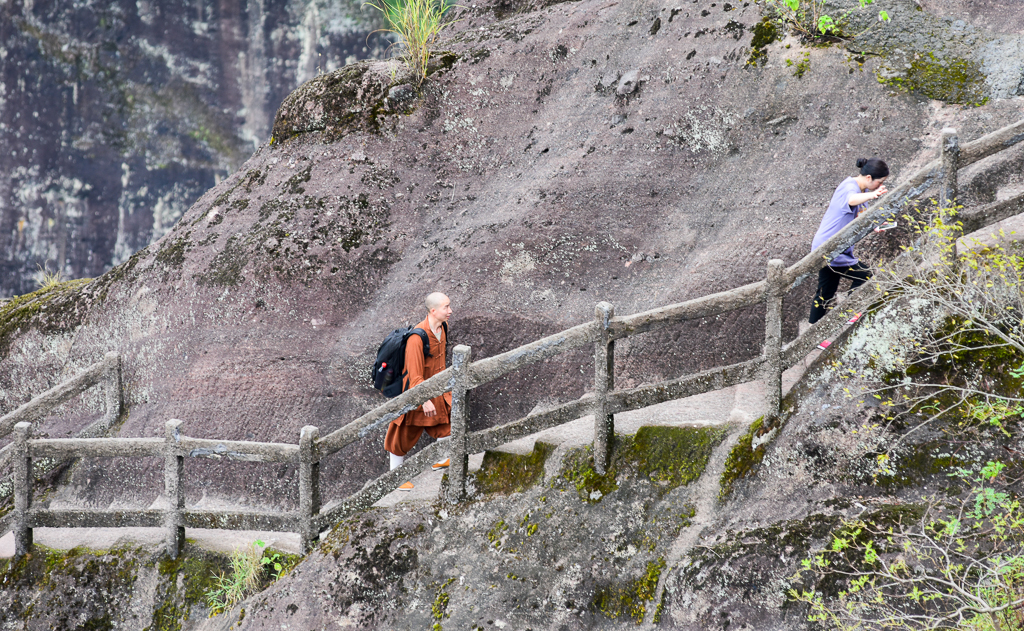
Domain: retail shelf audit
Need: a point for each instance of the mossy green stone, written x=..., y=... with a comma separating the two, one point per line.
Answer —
x=173, y=252
x=19, y=311
x=506, y=473
x=673, y=456
x=956, y=80
x=765, y=32
x=742, y=460
x=669, y=457
x=629, y=599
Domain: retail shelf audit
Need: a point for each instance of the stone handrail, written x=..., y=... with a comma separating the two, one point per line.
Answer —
x=40, y=406
x=107, y=370
x=603, y=403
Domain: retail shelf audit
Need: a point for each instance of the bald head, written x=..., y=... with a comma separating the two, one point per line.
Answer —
x=438, y=309
x=435, y=300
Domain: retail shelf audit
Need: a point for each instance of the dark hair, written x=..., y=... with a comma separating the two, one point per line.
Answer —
x=874, y=167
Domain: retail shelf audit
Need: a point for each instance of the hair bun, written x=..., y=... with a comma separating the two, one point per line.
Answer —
x=861, y=163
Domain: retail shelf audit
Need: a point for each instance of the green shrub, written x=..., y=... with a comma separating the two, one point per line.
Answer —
x=810, y=18
x=955, y=565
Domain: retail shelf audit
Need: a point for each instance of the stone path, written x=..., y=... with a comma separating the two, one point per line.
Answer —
x=738, y=404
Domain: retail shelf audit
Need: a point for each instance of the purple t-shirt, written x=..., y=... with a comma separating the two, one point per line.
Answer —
x=838, y=215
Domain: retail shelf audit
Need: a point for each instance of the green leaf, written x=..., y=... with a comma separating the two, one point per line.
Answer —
x=992, y=469
x=793, y=4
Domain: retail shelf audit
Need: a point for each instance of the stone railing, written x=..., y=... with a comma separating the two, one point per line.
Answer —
x=107, y=371
x=603, y=403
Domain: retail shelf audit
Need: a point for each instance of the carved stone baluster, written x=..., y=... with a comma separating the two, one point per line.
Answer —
x=772, y=352
x=22, y=489
x=309, y=487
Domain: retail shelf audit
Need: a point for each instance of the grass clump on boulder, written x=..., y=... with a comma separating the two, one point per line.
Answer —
x=418, y=24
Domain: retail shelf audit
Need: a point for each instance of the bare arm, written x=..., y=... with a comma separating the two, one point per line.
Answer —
x=861, y=198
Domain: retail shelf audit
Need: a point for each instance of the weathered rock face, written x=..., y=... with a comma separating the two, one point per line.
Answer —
x=123, y=588
x=116, y=117
x=554, y=158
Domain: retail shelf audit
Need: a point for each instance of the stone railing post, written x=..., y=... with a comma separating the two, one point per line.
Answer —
x=309, y=487
x=772, y=353
x=604, y=382
x=460, y=425
x=22, y=489
x=113, y=390
x=950, y=166
x=174, y=488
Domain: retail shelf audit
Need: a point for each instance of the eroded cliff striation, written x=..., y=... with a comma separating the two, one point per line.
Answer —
x=116, y=117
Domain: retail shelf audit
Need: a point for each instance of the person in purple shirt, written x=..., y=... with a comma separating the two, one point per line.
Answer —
x=849, y=200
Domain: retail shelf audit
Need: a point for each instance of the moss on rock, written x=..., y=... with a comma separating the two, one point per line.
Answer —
x=673, y=456
x=184, y=586
x=173, y=251
x=578, y=469
x=743, y=459
x=293, y=186
x=51, y=310
x=955, y=80
x=666, y=456
x=629, y=599
x=349, y=99
x=503, y=472
x=765, y=32
x=72, y=589
x=226, y=268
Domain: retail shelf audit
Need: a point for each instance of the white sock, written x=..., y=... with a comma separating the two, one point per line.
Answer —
x=444, y=439
x=396, y=461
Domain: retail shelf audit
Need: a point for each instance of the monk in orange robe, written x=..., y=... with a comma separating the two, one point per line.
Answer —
x=433, y=416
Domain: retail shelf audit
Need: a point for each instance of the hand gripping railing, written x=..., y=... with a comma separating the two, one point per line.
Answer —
x=603, y=403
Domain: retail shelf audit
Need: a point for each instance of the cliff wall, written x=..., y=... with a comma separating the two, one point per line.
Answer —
x=116, y=116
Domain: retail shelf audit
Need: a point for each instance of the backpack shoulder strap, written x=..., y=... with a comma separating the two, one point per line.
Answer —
x=426, y=341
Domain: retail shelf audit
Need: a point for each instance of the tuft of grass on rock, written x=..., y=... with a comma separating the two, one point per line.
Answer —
x=418, y=24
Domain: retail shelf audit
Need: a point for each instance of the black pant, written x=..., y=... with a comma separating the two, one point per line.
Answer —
x=828, y=283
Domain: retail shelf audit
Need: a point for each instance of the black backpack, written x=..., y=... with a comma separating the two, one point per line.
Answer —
x=390, y=364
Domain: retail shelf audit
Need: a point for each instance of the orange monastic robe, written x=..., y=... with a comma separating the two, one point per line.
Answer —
x=404, y=431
